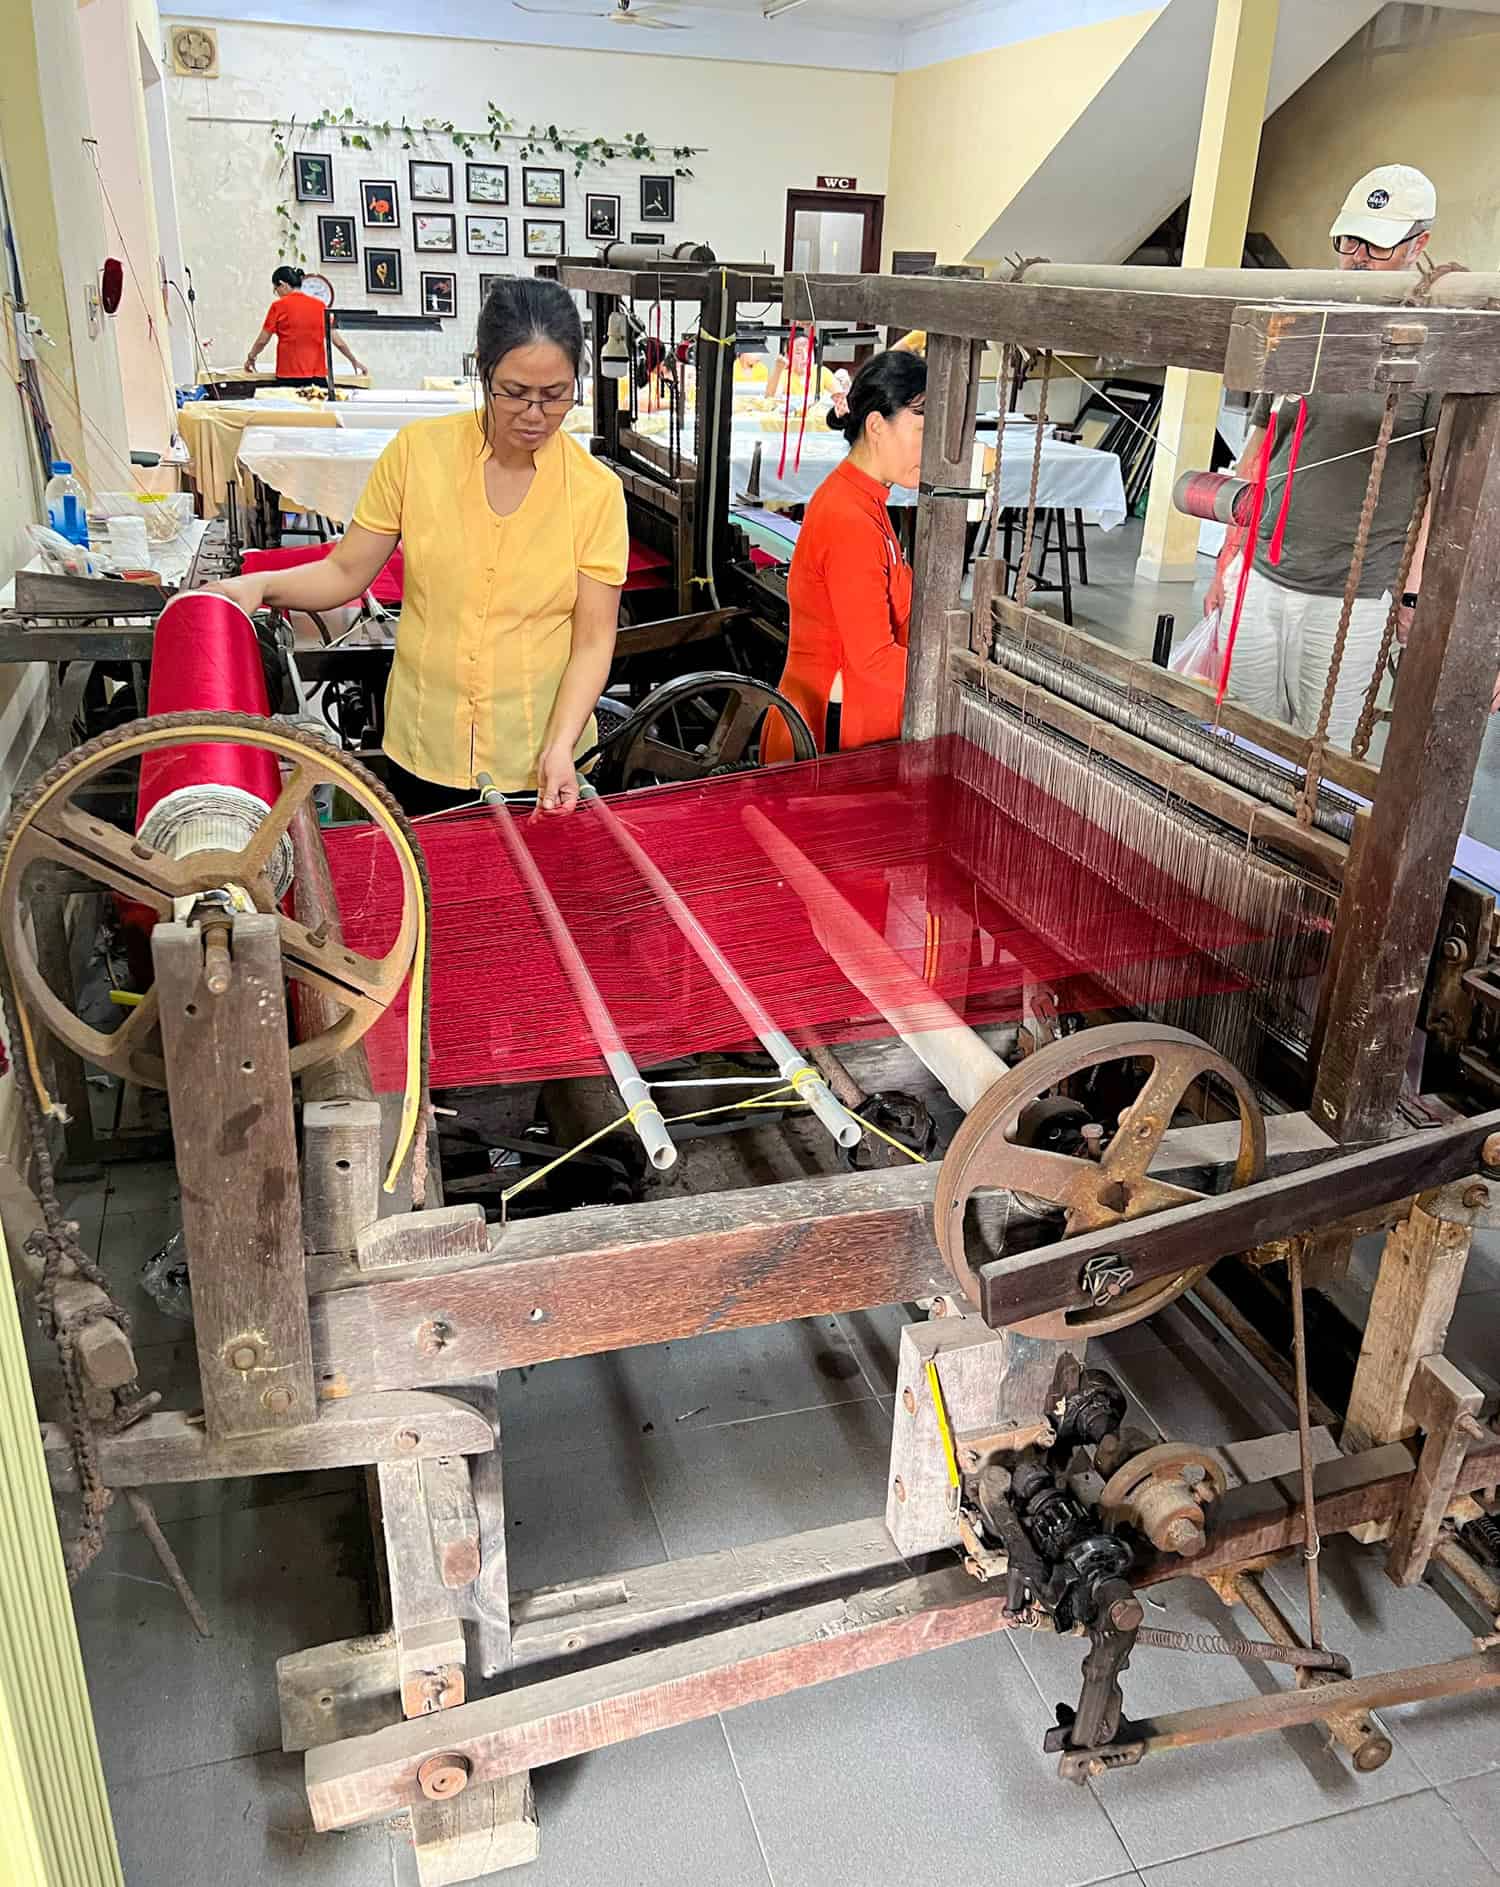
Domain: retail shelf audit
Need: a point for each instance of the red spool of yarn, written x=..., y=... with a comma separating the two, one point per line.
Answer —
x=205, y=655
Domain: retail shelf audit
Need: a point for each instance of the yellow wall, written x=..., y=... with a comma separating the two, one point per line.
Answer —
x=968, y=133
x=1436, y=106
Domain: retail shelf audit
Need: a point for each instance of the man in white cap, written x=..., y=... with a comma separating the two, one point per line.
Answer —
x=1284, y=646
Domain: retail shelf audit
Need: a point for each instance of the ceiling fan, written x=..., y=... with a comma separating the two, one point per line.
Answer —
x=623, y=13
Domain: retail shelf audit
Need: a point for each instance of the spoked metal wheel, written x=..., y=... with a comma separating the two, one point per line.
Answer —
x=696, y=727
x=1091, y=1194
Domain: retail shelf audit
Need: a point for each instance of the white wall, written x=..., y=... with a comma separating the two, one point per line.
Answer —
x=764, y=132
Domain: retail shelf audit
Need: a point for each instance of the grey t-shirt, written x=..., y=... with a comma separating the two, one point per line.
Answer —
x=1326, y=499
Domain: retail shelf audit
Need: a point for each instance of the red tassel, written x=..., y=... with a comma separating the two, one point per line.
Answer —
x=786, y=413
x=812, y=335
x=1262, y=474
x=1278, y=536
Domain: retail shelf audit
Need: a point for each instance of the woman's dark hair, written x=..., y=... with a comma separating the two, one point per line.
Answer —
x=887, y=384
x=521, y=310
x=292, y=277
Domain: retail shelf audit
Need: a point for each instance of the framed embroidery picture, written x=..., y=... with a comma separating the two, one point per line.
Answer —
x=336, y=242
x=429, y=182
x=439, y=292
x=602, y=217
x=379, y=204
x=313, y=172
x=487, y=235
x=382, y=271
x=434, y=231
x=542, y=189
x=544, y=238
x=658, y=199
x=487, y=183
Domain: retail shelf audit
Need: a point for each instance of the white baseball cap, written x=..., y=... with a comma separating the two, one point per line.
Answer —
x=1385, y=203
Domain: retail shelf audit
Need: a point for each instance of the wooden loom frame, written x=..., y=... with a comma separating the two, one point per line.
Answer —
x=399, y=1324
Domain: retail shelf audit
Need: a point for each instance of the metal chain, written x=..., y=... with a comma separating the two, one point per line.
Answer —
x=1023, y=581
x=1360, y=745
x=1308, y=795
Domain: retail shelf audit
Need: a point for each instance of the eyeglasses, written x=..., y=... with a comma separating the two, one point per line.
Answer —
x=1376, y=251
x=517, y=399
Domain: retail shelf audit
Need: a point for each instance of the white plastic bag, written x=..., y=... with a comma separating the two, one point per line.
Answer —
x=1199, y=657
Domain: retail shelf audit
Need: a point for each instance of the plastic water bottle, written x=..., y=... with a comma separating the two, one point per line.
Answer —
x=67, y=504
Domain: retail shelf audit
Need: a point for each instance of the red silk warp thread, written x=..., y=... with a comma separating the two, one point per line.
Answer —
x=979, y=882
x=205, y=655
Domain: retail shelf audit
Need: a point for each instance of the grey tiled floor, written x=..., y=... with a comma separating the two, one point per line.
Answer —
x=925, y=1772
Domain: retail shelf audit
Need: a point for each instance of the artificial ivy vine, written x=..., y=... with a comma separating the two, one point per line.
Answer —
x=535, y=140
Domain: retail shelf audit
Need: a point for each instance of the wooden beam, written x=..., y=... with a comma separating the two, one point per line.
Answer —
x=1354, y=350
x=1446, y=1406
x=1388, y=917
x=452, y=1519
x=399, y=1425
x=236, y=1152
x=414, y=1238
x=372, y=1776
x=1180, y=778
x=1035, y=627
x=489, y=1827
x=1421, y=1272
x=937, y=620
x=426, y=1617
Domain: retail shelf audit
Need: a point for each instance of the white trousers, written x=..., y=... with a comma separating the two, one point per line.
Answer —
x=1284, y=649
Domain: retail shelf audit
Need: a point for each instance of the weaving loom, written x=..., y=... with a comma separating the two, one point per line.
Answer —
x=1203, y=920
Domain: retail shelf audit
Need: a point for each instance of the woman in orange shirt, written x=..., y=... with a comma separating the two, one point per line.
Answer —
x=850, y=585
x=295, y=322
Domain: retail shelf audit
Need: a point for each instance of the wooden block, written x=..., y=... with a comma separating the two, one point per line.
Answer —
x=430, y=1665
x=452, y=1518
x=416, y=1238
x=492, y=1825
x=347, y=1688
x=991, y=1379
x=341, y=1172
x=236, y=1150
x=1441, y=1396
x=405, y=1426
x=1421, y=1270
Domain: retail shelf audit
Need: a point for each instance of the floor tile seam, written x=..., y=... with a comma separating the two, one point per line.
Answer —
x=734, y=1764
x=526, y=1457
x=1146, y=1869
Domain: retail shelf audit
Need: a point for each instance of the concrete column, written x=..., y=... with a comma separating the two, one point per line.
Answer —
x=1234, y=103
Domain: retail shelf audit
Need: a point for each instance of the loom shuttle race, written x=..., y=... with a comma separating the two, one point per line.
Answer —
x=1086, y=1002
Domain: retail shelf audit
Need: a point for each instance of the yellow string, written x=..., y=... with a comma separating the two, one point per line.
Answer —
x=801, y=1079
x=944, y=1429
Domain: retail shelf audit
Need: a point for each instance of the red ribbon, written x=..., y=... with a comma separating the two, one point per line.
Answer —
x=786, y=414
x=1258, y=497
x=812, y=336
x=1278, y=536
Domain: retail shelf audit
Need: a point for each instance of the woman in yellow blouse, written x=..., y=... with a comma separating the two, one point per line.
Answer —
x=515, y=547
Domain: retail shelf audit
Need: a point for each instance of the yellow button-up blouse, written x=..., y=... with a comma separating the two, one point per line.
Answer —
x=486, y=624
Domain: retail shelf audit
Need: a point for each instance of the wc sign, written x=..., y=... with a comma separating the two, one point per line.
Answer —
x=838, y=183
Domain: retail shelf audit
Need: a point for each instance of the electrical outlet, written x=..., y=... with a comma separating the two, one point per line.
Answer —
x=92, y=309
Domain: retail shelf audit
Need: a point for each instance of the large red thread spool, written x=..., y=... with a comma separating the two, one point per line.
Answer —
x=208, y=796
x=1219, y=497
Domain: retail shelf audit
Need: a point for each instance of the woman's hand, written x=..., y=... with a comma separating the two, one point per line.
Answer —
x=249, y=592
x=556, y=780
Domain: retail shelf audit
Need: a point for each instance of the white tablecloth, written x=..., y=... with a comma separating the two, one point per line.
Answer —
x=315, y=468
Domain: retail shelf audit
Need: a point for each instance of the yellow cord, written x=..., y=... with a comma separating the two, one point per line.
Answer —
x=411, y=1098
x=944, y=1428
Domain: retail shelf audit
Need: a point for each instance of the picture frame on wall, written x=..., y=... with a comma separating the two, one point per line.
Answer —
x=658, y=199
x=487, y=183
x=601, y=217
x=487, y=285
x=336, y=239
x=380, y=207
x=542, y=188
x=312, y=176
x=382, y=271
x=439, y=293
x=543, y=237
x=651, y=237
x=429, y=180
x=435, y=232
x=487, y=235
